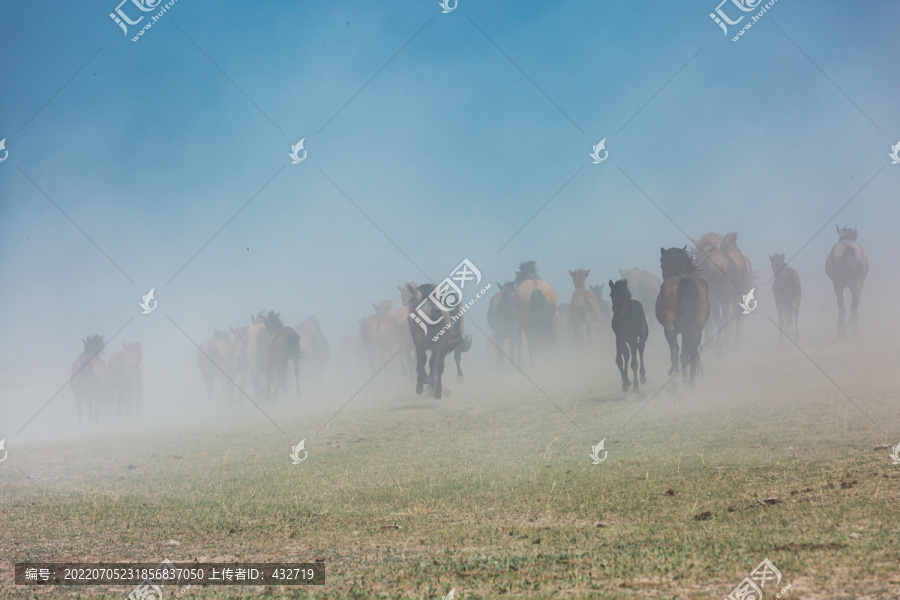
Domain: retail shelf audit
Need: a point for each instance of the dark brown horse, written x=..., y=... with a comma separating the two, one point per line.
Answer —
x=584, y=312
x=92, y=381
x=255, y=349
x=786, y=289
x=847, y=266
x=284, y=347
x=630, y=326
x=442, y=334
x=682, y=307
x=534, y=306
x=502, y=320
x=125, y=367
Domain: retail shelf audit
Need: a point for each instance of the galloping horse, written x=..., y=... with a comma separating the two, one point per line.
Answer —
x=643, y=285
x=730, y=276
x=284, y=347
x=401, y=327
x=682, y=307
x=630, y=326
x=378, y=335
x=534, y=306
x=213, y=362
x=501, y=318
x=256, y=347
x=92, y=382
x=584, y=311
x=847, y=266
x=125, y=366
x=786, y=289
x=441, y=335
x=313, y=347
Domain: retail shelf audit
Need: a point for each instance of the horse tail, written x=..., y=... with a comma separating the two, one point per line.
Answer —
x=687, y=322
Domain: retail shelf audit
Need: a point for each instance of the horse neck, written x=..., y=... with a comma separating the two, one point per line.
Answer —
x=579, y=284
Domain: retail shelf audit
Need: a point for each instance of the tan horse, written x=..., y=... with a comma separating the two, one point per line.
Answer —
x=786, y=289
x=847, y=266
x=125, y=367
x=401, y=324
x=213, y=364
x=92, y=381
x=729, y=275
x=284, y=348
x=379, y=335
x=682, y=307
x=534, y=306
x=584, y=312
x=256, y=348
x=643, y=285
x=314, y=348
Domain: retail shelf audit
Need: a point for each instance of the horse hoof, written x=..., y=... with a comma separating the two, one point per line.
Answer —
x=625, y=387
x=437, y=395
x=419, y=389
x=643, y=380
x=460, y=379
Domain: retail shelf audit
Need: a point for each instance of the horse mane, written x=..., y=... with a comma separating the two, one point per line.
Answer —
x=681, y=261
x=93, y=345
x=273, y=322
x=527, y=270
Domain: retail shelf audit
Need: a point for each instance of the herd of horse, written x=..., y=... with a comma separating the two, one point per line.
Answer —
x=710, y=280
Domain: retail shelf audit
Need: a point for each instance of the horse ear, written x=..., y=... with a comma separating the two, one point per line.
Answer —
x=571, y=273
x=693, y=241
x=374, y=306
x=685, y=248
x=610, y=284
x=837, y=228
x=662, y=250
x=588, y=272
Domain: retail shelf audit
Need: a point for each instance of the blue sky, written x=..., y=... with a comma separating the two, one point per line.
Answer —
x=449, y=149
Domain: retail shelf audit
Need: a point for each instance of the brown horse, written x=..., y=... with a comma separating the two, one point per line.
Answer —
x=682, y=307
x=501, y=318
x=379, y=336
x=212, y=360
x=441, y=335
x=786, y=289
x=605, y=306
x=401, y=325
x=847, y=266
x=643, y=285
x=314, y=348
x=729, y=274
x=630, y=326
x=284, y=347
x=584, y=312
x=534, y=307
x=92, y=381
x=125, y=367
x=255, y=349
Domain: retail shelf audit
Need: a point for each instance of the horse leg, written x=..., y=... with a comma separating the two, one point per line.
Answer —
x=437, y=371
x=839, y=292
x=855, y=291
x=622, y=363
x=457, y=356
x=797, y=322
x=420, y=370
x=781, y=321
x=640, y=348
x=634, y=364
x=672, y=339
x=297, y=375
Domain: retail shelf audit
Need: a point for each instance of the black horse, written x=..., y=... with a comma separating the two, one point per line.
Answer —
x=442, y=334
x=630, y=326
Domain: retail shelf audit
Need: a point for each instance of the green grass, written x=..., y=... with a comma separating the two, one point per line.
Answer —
x=492, y=492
